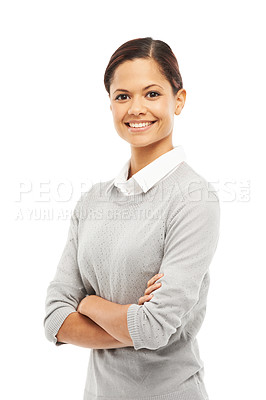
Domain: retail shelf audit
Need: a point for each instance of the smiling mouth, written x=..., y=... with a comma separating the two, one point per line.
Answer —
x=141, y=129
x=127, y=123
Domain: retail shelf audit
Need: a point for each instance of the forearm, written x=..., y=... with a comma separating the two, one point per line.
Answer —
x=112, y=317
x=79, y=330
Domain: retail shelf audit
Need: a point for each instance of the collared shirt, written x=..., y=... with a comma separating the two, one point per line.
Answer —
x=149, y=175
x=113, y=248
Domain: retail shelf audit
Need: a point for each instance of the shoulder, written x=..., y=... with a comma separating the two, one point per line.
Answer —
x=186, y=182
x=189, y=180
x=96, y=193
x=192, y=192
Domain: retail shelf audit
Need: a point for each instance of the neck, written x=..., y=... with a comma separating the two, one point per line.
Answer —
x=142, y=156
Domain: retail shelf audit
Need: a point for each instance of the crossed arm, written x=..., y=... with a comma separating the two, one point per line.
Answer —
x=112, y=317
x=70, y=317
x=99, y=323
x=190, y=243
x=78, y=329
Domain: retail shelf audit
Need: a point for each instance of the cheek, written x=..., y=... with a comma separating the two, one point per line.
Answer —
x=115, y=113
x=166, y=114
x=161, y=110
x=118, y=115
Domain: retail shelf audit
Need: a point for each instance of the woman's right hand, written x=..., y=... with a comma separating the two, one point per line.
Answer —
x=151, y=286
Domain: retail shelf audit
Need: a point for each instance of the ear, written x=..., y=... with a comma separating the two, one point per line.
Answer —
x=180, y=101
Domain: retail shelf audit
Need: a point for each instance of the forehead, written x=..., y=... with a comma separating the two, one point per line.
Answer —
x=139, y=72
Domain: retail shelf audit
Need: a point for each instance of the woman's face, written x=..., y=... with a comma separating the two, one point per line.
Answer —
x=132, y=101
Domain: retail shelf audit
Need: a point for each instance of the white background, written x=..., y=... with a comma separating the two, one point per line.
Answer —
x=57, y=127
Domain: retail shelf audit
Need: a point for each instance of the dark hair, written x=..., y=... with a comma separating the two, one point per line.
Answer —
x=146, y=48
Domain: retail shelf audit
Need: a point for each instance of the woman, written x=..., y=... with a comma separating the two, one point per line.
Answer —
x=157, y=216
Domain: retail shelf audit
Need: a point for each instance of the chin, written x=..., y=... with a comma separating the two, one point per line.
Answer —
x=142, y=143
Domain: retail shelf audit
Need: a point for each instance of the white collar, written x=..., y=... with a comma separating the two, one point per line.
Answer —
x=149, y=175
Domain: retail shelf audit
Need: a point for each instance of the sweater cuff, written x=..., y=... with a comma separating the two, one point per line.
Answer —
x=54, y=322
x=133, y=326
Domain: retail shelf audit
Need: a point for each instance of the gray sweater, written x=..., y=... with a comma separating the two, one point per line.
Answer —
x=115, y=244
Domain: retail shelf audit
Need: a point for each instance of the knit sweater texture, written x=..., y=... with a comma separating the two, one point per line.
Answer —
x=115, y=245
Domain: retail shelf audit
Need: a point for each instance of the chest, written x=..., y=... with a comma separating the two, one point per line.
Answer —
x=120, y=251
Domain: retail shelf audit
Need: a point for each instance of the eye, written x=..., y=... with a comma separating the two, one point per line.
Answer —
x=117, y=97
x=155, y=93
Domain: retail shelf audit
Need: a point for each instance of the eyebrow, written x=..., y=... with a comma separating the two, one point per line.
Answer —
x=147, y=87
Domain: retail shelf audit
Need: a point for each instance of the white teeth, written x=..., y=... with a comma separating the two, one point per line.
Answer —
x=140, y=125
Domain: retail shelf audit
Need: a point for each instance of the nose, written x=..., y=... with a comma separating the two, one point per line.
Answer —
x=136, y=107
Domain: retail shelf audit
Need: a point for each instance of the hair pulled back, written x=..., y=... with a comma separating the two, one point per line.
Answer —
x=146, y=48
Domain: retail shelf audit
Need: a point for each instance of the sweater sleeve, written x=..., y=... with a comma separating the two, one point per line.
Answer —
x=66, y=290
x=190, y=242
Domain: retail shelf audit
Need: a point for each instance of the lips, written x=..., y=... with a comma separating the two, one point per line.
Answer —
x=139, y=122
x=140, y=129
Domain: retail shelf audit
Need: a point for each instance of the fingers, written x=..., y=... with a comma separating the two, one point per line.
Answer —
x=151, y=288
x=154, y=279
x=144, y=298
x=147, y=294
